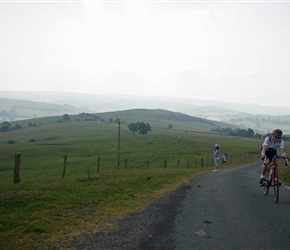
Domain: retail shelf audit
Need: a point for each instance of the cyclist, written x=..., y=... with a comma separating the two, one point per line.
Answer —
x=216, y=157
x=269, y=150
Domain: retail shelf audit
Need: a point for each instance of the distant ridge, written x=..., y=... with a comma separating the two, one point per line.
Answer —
x=257, y=117
x=107, y=103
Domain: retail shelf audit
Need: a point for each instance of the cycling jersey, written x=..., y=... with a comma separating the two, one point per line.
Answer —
x=272, y=146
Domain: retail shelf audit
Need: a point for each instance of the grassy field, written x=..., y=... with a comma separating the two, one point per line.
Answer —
x=45, y=210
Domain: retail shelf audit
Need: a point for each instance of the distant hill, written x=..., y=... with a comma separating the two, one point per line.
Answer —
x=162, y=118
x=104, y=103
x=254, y=116
x=13, y=109
x=157, y=118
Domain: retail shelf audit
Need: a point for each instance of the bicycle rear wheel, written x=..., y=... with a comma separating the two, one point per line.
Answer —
x=276, y=185
x=266, y=187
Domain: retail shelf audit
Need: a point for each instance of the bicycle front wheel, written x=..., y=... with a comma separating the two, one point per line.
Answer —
x=276, y=185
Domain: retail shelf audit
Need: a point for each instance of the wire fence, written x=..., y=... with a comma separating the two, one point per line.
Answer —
x=128, y=164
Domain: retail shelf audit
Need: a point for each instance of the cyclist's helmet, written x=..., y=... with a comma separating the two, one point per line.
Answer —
x=277, y=132
x=217, y=146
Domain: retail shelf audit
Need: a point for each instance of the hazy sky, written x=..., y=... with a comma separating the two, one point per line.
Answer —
x=231, y=51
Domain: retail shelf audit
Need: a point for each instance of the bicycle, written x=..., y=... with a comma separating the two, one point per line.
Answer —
x=273, y=179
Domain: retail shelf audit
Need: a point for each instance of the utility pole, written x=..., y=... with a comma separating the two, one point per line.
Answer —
x=119, y=125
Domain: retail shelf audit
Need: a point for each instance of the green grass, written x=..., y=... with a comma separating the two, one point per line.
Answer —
x=45, y=210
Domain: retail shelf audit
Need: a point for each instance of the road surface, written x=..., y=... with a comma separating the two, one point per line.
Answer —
x=224, y=210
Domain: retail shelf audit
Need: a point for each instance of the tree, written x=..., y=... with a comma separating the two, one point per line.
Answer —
x=250, y=132
x=141, y=127
x=17, y=126
x=66, y=117
x=5, y=126
x=170, y=126
x=31, y=124
x=133, y=127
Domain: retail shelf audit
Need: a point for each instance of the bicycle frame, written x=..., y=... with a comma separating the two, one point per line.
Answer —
x=273, y=180
x=273, y=166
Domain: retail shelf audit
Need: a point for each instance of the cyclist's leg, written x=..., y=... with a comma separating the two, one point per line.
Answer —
x=264, y=171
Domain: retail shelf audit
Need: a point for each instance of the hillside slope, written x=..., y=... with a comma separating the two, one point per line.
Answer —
x=257, y=117
x=84, y=125
x=14, y=109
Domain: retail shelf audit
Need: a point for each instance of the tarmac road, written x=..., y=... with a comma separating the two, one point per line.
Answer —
x=225, y=210
x=228, y=210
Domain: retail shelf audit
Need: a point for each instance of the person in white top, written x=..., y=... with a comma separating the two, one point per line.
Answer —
x=269, y=150
x=216, y=157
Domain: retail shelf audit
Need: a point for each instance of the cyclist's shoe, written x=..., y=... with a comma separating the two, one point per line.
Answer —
x=215, y=171
x=262, y=182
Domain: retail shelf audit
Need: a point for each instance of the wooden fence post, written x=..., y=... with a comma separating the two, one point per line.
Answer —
x=201, y=163
x=89, y=173
x=126, y=163
x=147, y=165
x=165, y=163
x=188, y=162
x=17, y=164
x=98, y=166
x=178, y=163
x=64, y=167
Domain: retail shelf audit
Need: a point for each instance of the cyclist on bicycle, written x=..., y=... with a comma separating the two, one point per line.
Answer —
x=269, y=150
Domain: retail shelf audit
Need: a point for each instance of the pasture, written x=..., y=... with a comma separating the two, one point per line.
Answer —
x=45, y=210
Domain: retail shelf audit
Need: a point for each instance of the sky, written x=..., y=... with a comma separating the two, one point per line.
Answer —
x=233, y=51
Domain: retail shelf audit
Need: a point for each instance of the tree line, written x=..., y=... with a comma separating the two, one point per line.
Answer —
x=244, y=133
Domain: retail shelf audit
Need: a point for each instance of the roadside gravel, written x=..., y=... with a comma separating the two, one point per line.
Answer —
x=149, y=229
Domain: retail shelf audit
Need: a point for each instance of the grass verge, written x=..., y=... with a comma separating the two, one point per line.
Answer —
x=53, y=212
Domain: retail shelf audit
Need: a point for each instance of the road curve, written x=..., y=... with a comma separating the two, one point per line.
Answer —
x=225, y=210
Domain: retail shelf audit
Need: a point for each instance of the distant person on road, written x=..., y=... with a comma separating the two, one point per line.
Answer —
x=269, y=150
x=225, y=157
x=216, y=157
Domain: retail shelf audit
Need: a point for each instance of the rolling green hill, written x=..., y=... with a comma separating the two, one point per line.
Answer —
x=52, y=210
x=13, y=109
x=16, y=109
x=56, y=127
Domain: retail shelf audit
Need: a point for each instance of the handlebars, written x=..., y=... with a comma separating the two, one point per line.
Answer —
x=264, y=158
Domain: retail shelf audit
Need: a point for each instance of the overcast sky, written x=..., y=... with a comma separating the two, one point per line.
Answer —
x=230, y=51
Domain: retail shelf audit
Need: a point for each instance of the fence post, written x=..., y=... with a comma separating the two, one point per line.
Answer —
x=165, y=163
x=178, y=163
x=201, y=163
x=64, y=166
x=98, y=165
x=196, y=162
x=147, y=163
x=188, y=162
x=125, y=163
x=89, y=173
x=17, y=164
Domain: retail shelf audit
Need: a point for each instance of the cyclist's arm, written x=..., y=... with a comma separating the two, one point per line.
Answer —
x=282, y=152
x=264, y=148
